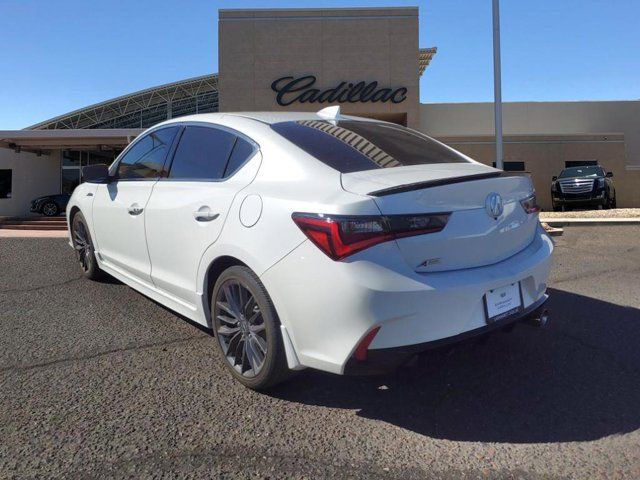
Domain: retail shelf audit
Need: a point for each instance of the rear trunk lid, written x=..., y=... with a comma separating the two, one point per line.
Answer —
x=472, y=236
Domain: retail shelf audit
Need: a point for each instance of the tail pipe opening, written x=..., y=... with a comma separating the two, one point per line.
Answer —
x=541, y=320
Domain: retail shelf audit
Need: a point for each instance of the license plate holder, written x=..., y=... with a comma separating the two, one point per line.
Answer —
x=503, y=302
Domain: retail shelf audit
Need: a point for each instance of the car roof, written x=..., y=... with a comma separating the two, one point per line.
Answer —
x=263, y=117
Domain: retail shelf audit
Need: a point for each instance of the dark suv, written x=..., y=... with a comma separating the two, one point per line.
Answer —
x=588, y=186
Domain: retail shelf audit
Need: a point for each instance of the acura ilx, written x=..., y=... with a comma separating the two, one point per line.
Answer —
x=314, y=240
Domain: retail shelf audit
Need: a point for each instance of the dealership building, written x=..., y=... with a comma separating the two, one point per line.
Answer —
x=369, y=62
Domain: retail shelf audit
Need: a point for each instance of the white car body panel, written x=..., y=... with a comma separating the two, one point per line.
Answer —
x=120, y=236
x=171, y=217
x=325, y=307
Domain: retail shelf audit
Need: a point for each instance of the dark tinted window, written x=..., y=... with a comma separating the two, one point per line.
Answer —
x=579, y=163
x=146, y=158
x=202, y=154
x=353, y=146
x=5, y=183
x=512, y=166
x=242, y=150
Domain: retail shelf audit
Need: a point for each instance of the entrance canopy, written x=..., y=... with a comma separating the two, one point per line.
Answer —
x=43, y=141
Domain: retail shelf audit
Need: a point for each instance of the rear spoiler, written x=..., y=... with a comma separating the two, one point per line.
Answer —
x=442, y=181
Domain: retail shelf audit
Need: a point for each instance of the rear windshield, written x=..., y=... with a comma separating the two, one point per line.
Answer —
x=354, y=146
x=588, y=171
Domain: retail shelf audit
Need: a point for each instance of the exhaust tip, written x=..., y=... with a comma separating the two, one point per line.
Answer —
x=543, y=320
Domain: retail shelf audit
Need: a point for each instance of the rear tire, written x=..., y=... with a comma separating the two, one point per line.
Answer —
x=83, y=246
x=247, y=329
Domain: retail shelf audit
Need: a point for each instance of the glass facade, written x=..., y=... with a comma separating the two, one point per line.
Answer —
x=74, y=160
x=5, y=183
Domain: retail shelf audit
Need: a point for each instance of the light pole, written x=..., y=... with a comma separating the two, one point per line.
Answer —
x=497, y=84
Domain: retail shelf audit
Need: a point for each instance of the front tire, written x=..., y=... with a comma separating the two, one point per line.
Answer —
x=50, y=209
x=247, y=329
x=83, y=245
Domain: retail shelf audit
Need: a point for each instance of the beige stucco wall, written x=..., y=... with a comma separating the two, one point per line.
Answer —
x=549, y=133
x=257, y=47
x=33, y=177
x=544, y=157
x=538, y=118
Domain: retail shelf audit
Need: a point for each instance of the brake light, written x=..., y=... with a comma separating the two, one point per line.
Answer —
x=530, y=204
x=339, y=236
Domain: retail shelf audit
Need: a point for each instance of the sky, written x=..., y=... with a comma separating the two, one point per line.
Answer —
x=57, y=56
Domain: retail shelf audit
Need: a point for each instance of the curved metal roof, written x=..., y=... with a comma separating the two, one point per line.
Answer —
x=144, y=108
x=150, y=106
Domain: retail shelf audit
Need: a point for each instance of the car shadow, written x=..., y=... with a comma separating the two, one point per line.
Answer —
x=577, y=380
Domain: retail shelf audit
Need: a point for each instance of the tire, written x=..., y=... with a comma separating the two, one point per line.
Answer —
x=50, y=209
x=247, y=329
x=83, y=246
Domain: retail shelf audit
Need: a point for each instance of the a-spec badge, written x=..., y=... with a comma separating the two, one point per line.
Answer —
x=493, y=205
x=429, y=262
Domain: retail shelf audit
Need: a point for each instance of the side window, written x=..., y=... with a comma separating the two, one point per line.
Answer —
x=241, y=153
x=202, y=154
x=146, y=158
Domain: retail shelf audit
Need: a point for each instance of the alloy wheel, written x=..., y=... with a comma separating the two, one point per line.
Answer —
x=82, y=245
x=49, y=209
x=240, y=328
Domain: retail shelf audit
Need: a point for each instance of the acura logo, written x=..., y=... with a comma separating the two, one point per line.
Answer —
x=493, y=205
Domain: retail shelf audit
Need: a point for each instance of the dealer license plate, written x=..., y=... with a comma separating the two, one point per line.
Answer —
x=503, y=302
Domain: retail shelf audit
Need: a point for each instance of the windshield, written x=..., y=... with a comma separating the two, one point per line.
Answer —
x=354, y=146
x=588, y=171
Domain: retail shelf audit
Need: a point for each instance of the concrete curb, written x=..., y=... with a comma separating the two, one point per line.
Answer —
x=554, y=222
x=7, y=233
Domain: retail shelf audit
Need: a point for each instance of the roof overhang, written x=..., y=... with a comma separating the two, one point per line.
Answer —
x=425, y=55
x=46, y=140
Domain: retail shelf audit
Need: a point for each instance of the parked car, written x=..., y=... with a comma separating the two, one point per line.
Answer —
x=50, y=205
x=588, y=186
x=314, y=240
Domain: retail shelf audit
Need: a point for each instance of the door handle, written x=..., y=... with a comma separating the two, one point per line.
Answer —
x=135, y=209
x=204, y=214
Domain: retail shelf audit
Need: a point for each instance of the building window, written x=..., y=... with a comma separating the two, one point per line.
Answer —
x=512, y=166
x=5, y=183
x=580, y=163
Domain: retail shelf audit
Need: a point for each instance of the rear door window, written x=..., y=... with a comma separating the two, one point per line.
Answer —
x=242, y=151
x=353, y=146
x=202, y=154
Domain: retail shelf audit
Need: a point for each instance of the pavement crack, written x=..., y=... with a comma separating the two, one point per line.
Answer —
x=61, y=361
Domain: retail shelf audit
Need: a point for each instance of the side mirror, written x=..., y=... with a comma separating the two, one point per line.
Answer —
x=609, y=174
x=554, y=178
x=98, y=173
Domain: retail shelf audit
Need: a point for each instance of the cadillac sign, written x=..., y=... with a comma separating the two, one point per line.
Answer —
x=301, y=89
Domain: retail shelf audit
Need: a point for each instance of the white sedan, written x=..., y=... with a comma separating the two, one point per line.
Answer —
x=314, y=239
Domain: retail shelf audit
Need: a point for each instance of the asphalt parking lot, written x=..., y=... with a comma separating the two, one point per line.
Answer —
x=98, y=381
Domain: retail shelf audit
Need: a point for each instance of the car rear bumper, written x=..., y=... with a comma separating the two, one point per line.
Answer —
x=384, y=359
x=328, y=307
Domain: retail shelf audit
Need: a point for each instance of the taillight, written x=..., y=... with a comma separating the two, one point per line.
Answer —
x=339, y=236
x=530, y=204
